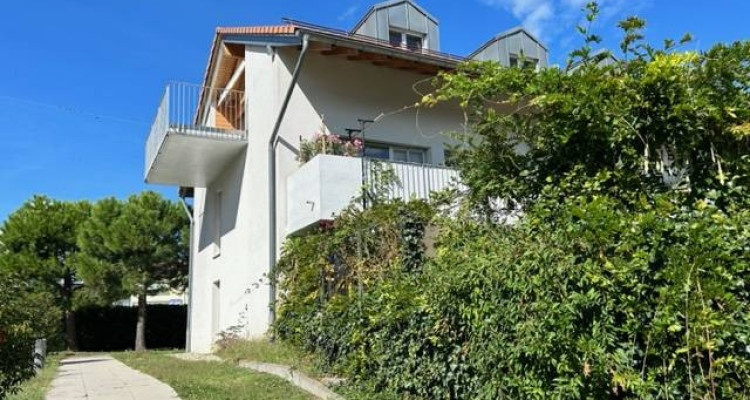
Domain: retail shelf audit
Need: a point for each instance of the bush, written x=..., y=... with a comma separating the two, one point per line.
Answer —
x=113, y=328
x=582, y=300
x=24, y=317
x=624, y=276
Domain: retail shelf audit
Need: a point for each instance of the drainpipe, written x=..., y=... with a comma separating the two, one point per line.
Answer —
x=190, y=277
x=272, y=143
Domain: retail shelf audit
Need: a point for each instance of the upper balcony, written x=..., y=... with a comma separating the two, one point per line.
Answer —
x=197, y=131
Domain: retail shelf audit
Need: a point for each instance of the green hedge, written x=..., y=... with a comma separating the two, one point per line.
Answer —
x=113, y=328
x=589, y=299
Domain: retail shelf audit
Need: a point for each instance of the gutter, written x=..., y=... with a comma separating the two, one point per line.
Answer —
x=190, y=277
x=272, y=143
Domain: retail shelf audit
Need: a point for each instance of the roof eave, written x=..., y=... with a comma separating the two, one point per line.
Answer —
x=383, y=49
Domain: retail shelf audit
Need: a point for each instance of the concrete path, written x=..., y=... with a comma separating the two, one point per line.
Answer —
x=103, y=378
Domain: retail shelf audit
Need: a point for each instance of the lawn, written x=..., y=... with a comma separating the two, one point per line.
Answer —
x=211, y=380
x=274, y=353
x=36, y=387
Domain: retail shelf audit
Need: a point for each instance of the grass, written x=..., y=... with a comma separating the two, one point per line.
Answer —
x=274, y=353
x=211, y=380
x=36, y=387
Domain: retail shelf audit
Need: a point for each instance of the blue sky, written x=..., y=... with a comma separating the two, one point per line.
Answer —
x=80, y=79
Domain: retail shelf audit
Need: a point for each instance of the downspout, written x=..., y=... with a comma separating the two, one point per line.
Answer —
x=272, y=143
x=188, y=348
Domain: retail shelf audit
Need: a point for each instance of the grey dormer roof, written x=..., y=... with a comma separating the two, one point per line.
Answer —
x=506, y=34
x=392, y=3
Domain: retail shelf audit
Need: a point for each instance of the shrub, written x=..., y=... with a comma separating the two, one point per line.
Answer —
x=625, y=275
x=24, y=316
x=583, y=300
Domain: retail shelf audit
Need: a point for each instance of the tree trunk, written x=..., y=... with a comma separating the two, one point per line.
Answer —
x=140, y=327
x=70, y=317
x=70, y=330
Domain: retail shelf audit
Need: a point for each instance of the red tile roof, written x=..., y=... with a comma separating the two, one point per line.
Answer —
x=257, y=30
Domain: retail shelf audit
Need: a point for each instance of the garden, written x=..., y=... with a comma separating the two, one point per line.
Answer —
x=599, y=250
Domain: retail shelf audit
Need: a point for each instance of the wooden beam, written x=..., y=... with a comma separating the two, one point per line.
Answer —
x=367, y=57
x=239, y=72
x=235, y=50
x=318, y=46
x=334, y=51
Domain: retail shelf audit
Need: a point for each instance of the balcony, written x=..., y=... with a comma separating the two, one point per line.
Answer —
x=197, y=131
x=327, y=184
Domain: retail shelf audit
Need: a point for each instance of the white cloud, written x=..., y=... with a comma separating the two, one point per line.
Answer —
x=348, y=13
x=548, y=19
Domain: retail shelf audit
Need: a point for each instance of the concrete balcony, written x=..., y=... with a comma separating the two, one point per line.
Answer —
x=197, y=131
x=327, y=184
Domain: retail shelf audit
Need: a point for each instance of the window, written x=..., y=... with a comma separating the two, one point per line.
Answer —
x=218, y=215
x=395, y=153
x=408, y=155
x=409, y=40
x=374, y=150
x=395, y=38
x=413, y=42
x=515, y=61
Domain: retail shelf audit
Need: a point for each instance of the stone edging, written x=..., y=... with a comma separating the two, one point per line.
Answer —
x=296, y=378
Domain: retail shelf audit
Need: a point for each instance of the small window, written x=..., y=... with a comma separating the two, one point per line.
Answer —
x=396, y=38
x=414, y=42
x=218, y=215
x=377, y=151
x=513, y=60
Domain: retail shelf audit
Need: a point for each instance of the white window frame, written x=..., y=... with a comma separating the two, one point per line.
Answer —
x=392, y=148
x=526, y=60
x=404, y=33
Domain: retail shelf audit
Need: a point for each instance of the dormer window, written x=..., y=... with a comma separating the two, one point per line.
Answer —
x=404, y=39
x=396, y=38
x=413, y=42
x=515, y=61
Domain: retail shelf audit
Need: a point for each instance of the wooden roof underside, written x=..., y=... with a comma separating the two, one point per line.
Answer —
x=378, y=59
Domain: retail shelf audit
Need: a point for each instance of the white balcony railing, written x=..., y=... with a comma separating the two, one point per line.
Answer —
x=195, y=110
x=412, y=181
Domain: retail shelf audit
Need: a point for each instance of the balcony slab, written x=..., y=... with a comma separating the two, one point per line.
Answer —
x=193, y=159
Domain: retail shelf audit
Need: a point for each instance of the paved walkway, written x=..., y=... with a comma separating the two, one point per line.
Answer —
x=103, y=378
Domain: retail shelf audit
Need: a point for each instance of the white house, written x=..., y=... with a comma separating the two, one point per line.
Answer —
x=232, y=142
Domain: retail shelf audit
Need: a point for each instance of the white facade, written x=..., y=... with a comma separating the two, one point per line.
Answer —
x=216, y=141
x=331, y=91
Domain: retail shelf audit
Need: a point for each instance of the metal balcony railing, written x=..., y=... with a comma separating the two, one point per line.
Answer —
x=412, y=181
x=196, y=110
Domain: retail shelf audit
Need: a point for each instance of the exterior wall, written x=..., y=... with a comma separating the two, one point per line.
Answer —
x=336, y=92
x=331, y=90
x=243, y=261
